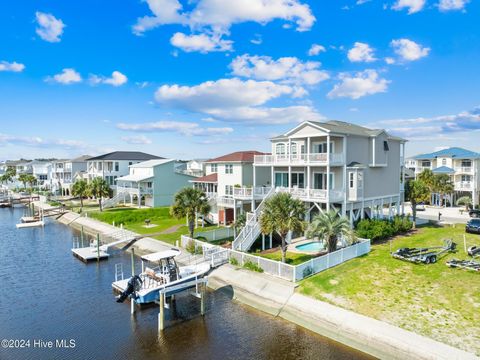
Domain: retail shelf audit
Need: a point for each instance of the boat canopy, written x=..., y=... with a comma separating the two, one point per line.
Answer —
x=155, y=257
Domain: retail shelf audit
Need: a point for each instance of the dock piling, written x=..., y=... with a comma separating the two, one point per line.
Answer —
x=98, y=247
x=161, y=314
x=132, y=306
x=133, y=261
x=202, y=300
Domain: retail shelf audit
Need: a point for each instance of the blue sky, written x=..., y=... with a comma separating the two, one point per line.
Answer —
x=201, y=78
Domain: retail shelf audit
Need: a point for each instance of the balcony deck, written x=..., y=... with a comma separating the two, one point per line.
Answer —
x=335, y=159
x=251, y=193
x=315, y=195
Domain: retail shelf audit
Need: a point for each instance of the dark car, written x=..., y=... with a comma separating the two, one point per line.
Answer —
x=474, y=213
x=473, y=226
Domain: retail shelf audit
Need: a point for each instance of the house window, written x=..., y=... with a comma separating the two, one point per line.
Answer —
x=321, y=148
x=298, y=180
x=149, y=184
x=444, y=162
x=280, y=149
x=385, y=146
x=426, y=164
x=214, y=168
x=466, y=178
x=281, y=179
x=117, y=166
x=228, y=169
x=228, y=190
x=360, y=180
x=130, y=163
x=320, y=181
x=351, y=180
x=466, y=163
x=294, y=149
x=100, y=166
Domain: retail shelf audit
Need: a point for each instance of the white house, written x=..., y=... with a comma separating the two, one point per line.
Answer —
x=115, y=164
x=229, y=183
x=151, y=183
x=332, y=165
x=65, y=172
x=460, y=164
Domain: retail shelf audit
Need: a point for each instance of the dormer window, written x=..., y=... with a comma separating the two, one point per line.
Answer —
x=444, y=162
x=385, y=146
x=280, y=149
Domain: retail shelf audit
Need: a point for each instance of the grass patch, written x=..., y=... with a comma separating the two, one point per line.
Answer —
x=292, y=258
x=433, y=300
x=252, y=267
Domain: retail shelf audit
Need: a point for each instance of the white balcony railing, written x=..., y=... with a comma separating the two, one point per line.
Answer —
x=318, y=158
x=314, y=194
x=245, y=192
x=134, y=190
x=464, y=169
x=463, y=185
x=226, y=201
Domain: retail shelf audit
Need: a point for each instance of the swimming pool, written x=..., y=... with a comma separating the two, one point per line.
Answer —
x=313, y=246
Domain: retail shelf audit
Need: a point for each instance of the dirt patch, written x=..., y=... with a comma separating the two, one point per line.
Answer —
x=172, y=229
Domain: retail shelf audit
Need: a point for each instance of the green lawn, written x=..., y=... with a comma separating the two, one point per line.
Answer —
x=134, y=220
x=292, y=258
x=433, y=300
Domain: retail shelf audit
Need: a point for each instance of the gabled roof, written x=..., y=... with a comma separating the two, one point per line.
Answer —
x=126, y=155
x=453, y=152
x=342, y=127
x=443, y=170
x=239, y=156
x=211, y=178
x=151, y=163
x=82, y=158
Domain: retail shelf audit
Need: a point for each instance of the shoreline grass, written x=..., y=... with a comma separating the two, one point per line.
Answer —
x=433, y=300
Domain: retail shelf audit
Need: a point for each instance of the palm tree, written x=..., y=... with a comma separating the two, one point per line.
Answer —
x=240, y=222
x=24, y=179
x=31, y=180
x=282, y=214
x=466, y=201
x=190, y=202
x=99, y=189
x=416, y=192
x=330, y=227
x=80, y=189
x=443, y=185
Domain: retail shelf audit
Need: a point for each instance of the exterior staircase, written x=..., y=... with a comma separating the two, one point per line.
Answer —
x=120, y=196
x=251, y=230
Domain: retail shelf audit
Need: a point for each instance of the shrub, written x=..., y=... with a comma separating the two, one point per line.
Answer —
x=252, y=266
x=380, y=229
x=233, y=261
x=191, y=248
x=307, y=271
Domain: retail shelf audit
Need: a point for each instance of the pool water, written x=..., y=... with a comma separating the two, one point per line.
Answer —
x=313, y=246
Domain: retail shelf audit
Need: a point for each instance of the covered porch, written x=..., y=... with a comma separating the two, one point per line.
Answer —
x=138, y=189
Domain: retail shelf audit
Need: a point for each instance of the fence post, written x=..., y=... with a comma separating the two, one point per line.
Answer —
x=279, y=269
x=328, y=260
x=294, y=273
x=341, y=255
x=242, y=258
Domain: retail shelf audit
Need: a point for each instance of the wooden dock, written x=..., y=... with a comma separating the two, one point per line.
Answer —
x=88, y=254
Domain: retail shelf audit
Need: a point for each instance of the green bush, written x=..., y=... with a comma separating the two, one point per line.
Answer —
x=380, y=229
x=252, y=266
x=233, y=261
x=191, y=248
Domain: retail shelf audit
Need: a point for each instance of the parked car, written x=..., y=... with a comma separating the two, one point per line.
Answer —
x=421, y=207
x=473, y=226
x=474, y=213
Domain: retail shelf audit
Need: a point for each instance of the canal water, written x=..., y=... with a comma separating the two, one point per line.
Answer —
x=48, y=295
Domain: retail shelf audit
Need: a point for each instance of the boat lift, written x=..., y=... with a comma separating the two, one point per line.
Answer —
x=428, y=255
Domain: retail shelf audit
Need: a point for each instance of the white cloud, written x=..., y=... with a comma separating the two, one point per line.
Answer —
x=367, y=82
x=316, y=49
x=452, y=5
x=289, y=70
x=117, y=79
x=137, y=140
x=13, y=66
x=201, y=42
x=409, y=50
x=67, y=76
x=49, y=27
x=390, y=60
x=413, y=6
x=183, y=128
x=361, y=52
x=257, y=40
x=36, y=141
x=217, y=16
x=361, y=2
x=236, y=100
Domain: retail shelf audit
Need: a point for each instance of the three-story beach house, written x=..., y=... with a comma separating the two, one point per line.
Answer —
x=332, y=165
x=64, y=173
x=460, y=164
x=115, y=164
x=151, y=183
x=229, y=184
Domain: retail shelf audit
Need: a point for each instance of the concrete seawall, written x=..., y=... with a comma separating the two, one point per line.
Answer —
x=278, y=298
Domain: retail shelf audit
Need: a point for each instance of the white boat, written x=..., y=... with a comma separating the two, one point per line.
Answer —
x=163, y=274
x=29, y=219
x=30, y=224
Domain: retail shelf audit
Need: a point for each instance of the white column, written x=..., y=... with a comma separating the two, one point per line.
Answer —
x=254, y=176
x=289, y=176
x=345, y=187
x=328, y=172
x=234, y=210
